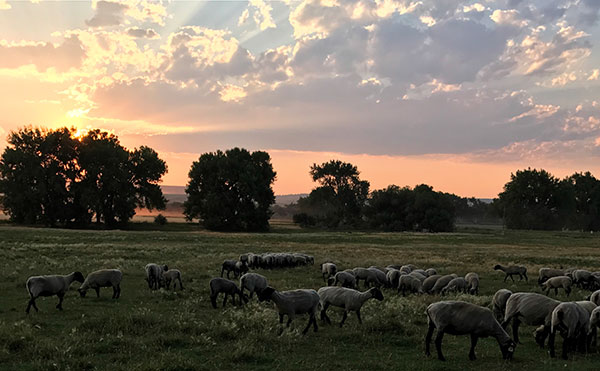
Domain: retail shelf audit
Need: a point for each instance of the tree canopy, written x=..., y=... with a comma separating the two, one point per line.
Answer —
x=231, y=190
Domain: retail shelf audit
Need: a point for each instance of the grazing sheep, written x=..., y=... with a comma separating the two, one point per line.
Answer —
x=173, y=275
x=253, y=282
x=499, y=303
x=154, y=275
x=420, y=271
x=293, y=303
x=349, y=299
x=380, y=275
x=472, y=279
x=365, y=275
x=328, y=270
x=239, y=269
x=442, y=282
x=430, y=282
x=582, y=278
x=393, y=266
x=410, y=284
x=572, y=320
x=229, y=288
x=421, y=277
x=546, y=273
x=532, y=309
x=457, y=284
x=392, y=276
x=102, y=278
x=430, y=272
x=460, y=318
x=555, y=283
x=594, y=323
x=48, y=286
x=346, y=279
x=228, y=266
x=276, y=260
x=595, y=297
x=512, y=270
x=406, y=269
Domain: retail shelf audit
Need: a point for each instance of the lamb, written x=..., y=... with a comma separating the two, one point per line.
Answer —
x=293, y=303
x=229, y=288
x=457, y=284
x=173, y=275
x=48, y=286
x=409, y=283
x=328, y=270
x=499, y=303
x=346, y=279
x=430, y=282
x=555, y=283
x=102, y=278
x=154, y=275
x=253, y=282
x=442, y=282
x=228, y=266
x=460, y=318
x=349, y=299
x=533, y=309
x=512, y=270
x=572, y=320
x=472, y=279
x=546, y=273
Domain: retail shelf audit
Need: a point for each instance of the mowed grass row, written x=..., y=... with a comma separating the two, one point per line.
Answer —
x=166, y=330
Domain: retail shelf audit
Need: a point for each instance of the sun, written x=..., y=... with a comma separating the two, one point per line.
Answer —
x=79, y=133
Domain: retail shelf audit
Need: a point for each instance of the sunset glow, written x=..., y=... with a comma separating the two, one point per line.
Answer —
x=453, y=94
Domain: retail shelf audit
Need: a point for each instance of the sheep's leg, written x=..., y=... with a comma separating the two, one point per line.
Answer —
x=565, y=348
x=60, y=300
x=97, y=292
x=474, y=339
x=358, y=316
x=438, y=344
x=213, y=301
x=428, y=338
x=568, y=291
x=511, y=277
x=222, y=270
x=225, y=300
x=180, y=284
x=551, y=344
x=505, y=277
x=526, y=279
x=344, y=318
x=556, y=291
x=280, y=324
x=515, y=328
x=31, y=303
x=315, y=326
x=310, y=321
x=114, y=295
x=324, y=316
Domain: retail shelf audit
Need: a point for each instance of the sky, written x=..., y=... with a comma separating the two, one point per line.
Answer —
x=455, y=94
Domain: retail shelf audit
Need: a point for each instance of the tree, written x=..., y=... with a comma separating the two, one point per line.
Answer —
x=390, y=209
x=231, y=190
x=339, y=199
x=586, y=193
x=432, y=211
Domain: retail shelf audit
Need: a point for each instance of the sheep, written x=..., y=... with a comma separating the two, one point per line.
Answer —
x=393, y=266
x=406, y=269
x=546, y=273
x=276, y=260
x=154, y=275
x=409, y=283
x=379, y=275
x=430, y=272
x=421, y=277
x=392, y=276
x=499, y=303
x=228, y=266
x=349, y=299
x=457, y=284
x=366, y=275
x=595, y=297
x=430, y=282
x=253, y=282
x=594, y=323
x=48, y=286
x=346, y=279
x=460, y=318
x=472, y=279
x=572, y=320
x=582, y=278
x=420, y=271
x=102, y=278
x=229, y=288
x=531, y=308
x=239, y=269
x=328, y=270
x=512, y=270
x=441, y=283
x=556, y=283
x=293, y=303
x=173, y=275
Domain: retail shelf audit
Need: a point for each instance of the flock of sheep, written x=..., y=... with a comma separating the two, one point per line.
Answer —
x=575, y=321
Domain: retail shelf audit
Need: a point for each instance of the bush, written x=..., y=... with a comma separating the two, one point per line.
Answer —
x=304, y=220
x=160, y=219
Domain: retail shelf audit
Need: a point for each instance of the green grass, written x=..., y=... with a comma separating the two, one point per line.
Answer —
x=161, y=330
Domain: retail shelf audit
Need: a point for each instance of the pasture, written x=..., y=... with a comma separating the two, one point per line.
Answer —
x=166, y=330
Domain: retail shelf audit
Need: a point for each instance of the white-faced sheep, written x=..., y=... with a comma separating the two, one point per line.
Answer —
x=349, y=299
x=555, y=283
x=154, y=275
x=546, y=273
x=328, y=270
x=173, y=275
x=430, y=282
x=572, y=320
x=49, y=286
x=102, y=278
x=499, y=303
x=346, y=279
x=512, y=270
x=229, y=288
x=458, y=284
x=293, y=303
x=532, y=309
x=253, y=282
x=441, y=283
x=410, y=284
x=460, y=318
x=472, y=279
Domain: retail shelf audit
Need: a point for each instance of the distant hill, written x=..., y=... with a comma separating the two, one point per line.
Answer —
x=288, y=199
x=177, y=194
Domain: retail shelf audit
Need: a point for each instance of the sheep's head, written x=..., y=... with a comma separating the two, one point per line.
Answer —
x=497, y=267
x=330, y=281
x=266, y=293
x=82, y=292
x=376, y=293
x=540, y=335
x=508, y=349
x=78, y=277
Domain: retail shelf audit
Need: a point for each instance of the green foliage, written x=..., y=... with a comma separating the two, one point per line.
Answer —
x=51, y=178
x=160, y=219
x=231, y=191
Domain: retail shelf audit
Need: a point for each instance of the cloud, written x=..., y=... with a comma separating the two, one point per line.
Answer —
x=43, y=55
x=107, y=14
x=4, y=5
x=142, y=33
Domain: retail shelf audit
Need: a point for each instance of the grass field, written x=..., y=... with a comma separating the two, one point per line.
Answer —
x=161, y=330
